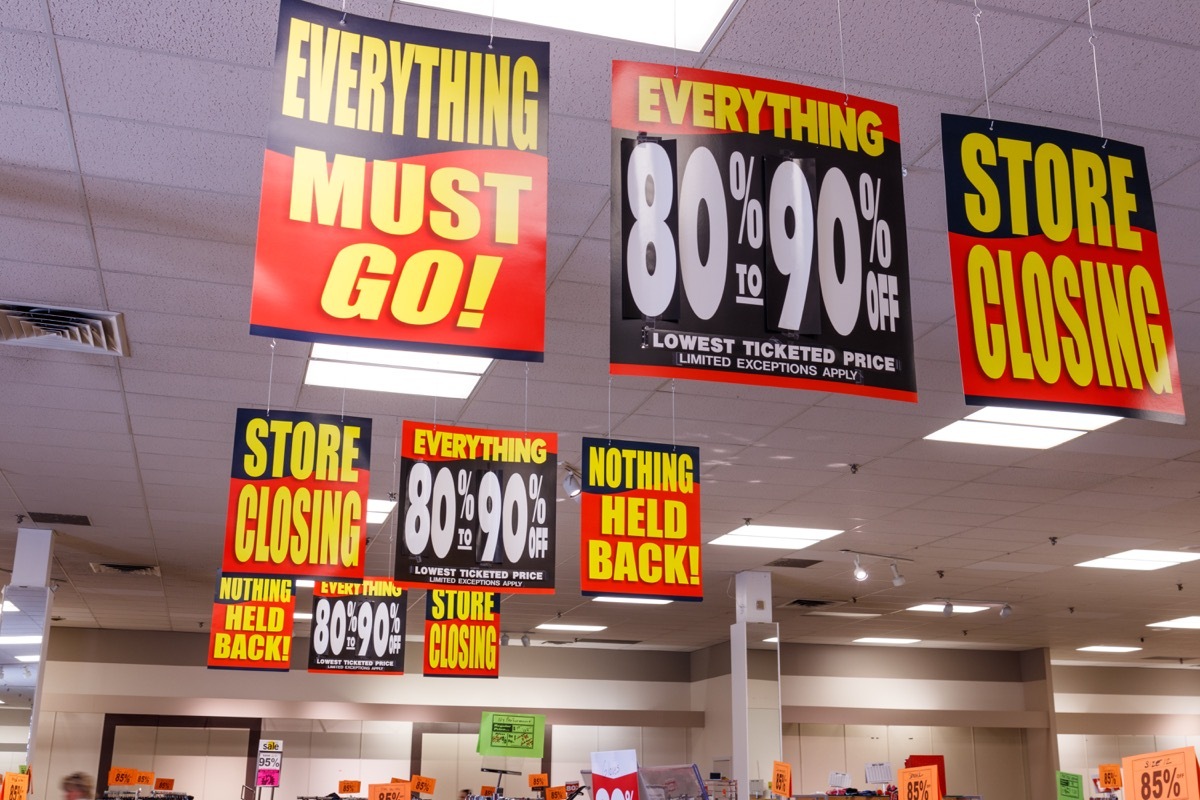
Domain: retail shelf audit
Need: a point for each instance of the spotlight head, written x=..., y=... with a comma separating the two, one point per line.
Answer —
x=860, y=574
x=504, y=640
x=572, y=485
x=948, y=609
x=897, y=578
x=1005, y=611
x=525, y=640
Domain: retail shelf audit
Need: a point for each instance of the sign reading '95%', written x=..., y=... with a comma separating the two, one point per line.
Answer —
x=298, y=495
x=404, y=187
x=478, y=508
x=758, y=234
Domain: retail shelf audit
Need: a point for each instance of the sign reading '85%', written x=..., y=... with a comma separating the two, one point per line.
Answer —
x=758, y=234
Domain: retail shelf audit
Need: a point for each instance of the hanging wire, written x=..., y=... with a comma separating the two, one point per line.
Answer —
x=343, y=19
x=610, y=409
x=842, y=52
x=1096, y=71
x=343, y=404
x=675, y=35
x=672, y=413
x=270, y=377
x=492, y=26
x=527, y=397
x=987, y=98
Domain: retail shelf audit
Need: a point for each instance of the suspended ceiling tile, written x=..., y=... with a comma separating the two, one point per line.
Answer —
x=35, y=137
x=39, y=85
x=130, y=292
x=187, y=213
x=40, y=194
x=170, y=156
x=573, y=206
x=55, y=285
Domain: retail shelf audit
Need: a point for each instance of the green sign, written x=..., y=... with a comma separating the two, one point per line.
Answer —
x=1070, y=786
x=502, y=734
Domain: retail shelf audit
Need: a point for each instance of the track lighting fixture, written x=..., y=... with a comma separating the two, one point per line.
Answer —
x=1005, y=611
x=525, y=640
x=572, y=482
x=504, y=640
x=860, y=574
x=897, y=578
x=949, y=606
x=948, y=609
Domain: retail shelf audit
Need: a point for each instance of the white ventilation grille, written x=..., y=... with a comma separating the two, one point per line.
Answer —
x=126, y=569
x=76, y=329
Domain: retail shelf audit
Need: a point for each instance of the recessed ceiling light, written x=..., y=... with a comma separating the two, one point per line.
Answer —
x=1105, y=648
x=771, y=640
x=997, y=435
x=775, y=536
x=395, y=380
x=843, y=614
x=20, y=640
x=558, y=626
x=302, y=616
x=378, y=510
x=940, y=608
x=1190, y=623
x=9, y=606
x=28, y=659
x=442, y=362
x=645, y=601
x=691, y=30
x=305, y=583
x=1142, y=560
x=884, y=640
x=1071, y=420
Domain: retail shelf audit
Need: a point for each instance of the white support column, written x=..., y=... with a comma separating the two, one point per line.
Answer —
x=757, y=731
x=29, y=597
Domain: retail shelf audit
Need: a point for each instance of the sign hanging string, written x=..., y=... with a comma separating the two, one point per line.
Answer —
x=270, y=377
x=492, y=26
x=987, y=98
x=842, y=53
x=675, y=35
x=610, y=409
x=672, y=413
x=527, y=397
x=343, y=20
x=1096, y=71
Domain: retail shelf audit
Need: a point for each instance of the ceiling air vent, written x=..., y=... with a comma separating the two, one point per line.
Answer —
x=800, y=602
x=794, y=563
x=126, y=569
x=76, y=329
x=44, y=518
x=611, y=641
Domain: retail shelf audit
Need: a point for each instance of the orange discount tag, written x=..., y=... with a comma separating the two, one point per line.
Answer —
x=1110, y=776
x=919, y=783
x=16, y=786
x=164, y=784
x=556, y=793
x=144, y=779
x=487, y=791
x=781, y=778
x=1165, y=775
x=121, y=776
x=397, y=790
x=349, y=787
x=423, y=785
x=538, y=780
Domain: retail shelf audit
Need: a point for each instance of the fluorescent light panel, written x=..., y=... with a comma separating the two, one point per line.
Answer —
x=775, y=536
x=556, y=626
x=1106, y=648
x=396, y=380
x=302, y=616
x=692, y=27
x=9, y=605
x=1070, y=420
x=1141, y=560
x=940, y=608
x=4, y=640
x=997, y=435
x=305, y=583
x=440, y=362
x=843, y=614
x=28, y=659
x=378, y=510
x=1189, y=623
x=645, y=601
x=771, y=640
x=884, y=640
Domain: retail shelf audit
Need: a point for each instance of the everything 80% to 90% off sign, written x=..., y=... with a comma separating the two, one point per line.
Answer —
x=361, y=627
x=792, y=227
x=514, y=514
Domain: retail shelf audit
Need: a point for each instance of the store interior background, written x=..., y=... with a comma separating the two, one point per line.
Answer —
x=131, y=143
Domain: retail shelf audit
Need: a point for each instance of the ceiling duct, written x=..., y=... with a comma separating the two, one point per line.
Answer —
x=801, y=602
x=47, y=518
x=75, y=329
x=793, y=563
x=126, y=569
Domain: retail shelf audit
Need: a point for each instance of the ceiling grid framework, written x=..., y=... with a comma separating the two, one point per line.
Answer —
x=131, y=144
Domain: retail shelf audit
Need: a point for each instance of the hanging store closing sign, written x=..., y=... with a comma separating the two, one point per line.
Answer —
x=298, y=495
x=462, y=633
x=404, y=188
x=1058, y=284
x=358, y=628
x=478, y=509
x=758, y=234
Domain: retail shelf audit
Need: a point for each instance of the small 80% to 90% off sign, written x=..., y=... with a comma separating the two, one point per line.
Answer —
x=792, y=225
x=365, y=628
x=444, y=506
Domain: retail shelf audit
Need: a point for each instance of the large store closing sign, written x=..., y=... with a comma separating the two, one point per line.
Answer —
x=404, y=188
x=1057, y=278
x=758, y=234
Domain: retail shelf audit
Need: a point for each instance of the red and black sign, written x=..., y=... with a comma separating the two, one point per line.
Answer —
x=404, y=188
x=1058, y=284
x=758, y=234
